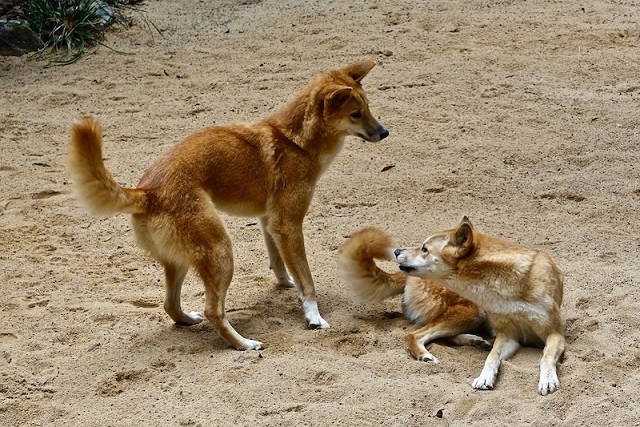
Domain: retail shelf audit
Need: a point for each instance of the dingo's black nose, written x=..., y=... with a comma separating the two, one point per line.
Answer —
x=384, y=133
x=397, y=251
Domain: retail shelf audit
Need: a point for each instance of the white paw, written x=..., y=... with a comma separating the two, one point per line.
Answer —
x=318, y=323
x=251, y=345
x=286, y=282
x=312, y=315
x=428, y=357
x=195, y=316
x=324, y=324
x=484, y=382
x=548, y=383
x=190, y=318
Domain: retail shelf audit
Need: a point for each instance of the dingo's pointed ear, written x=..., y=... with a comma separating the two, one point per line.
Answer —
x=340, y=95
x=463, y=238
x=359, y=70
x=465, y=219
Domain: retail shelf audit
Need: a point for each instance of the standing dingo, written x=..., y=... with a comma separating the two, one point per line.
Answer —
x=268, y=169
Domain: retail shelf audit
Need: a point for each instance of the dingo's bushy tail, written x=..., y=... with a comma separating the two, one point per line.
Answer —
x=93, y=184
x=368, y=282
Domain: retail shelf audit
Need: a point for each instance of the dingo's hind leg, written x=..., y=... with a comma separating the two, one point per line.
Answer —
x=275, y=260
x=174, y=275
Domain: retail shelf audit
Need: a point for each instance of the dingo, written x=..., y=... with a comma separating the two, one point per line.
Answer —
x=439, y=312
x=267, y=169
x=519, y=288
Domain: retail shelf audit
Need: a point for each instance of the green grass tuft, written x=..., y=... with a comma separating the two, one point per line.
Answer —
x=69, y=28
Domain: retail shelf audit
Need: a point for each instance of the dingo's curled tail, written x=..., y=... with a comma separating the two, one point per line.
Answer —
x=368, y=282
x=93, y=184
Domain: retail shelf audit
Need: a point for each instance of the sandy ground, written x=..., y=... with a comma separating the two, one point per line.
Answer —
x=523, y=115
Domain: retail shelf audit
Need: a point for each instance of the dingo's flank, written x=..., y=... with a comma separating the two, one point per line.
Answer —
x=267, y=169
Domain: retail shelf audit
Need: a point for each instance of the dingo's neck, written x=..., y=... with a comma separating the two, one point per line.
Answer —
x=302, y=121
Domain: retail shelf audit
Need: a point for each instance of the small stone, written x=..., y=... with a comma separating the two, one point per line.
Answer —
x=16, y=39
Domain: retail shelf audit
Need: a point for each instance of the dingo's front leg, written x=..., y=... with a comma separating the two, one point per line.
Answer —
x=503, y=348
x=553, y=349
x=289, y=240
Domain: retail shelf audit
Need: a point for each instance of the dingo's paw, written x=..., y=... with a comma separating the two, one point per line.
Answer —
x=428, y=357
x=190, y=318
x=250, y=345
x=318, y=323
x=548, y=383
x=286, y=283
x=484, y=382
x=196, y=316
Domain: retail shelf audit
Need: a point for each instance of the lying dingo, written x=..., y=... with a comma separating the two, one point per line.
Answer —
x=519, y=288
x=439, y=312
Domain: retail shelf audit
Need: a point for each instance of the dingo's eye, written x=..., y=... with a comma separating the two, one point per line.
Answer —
x=356, y=115
x=425, y=250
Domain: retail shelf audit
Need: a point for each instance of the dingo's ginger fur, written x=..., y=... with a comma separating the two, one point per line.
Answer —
x=439, y=312
x=519, y=288
x=266, y=169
